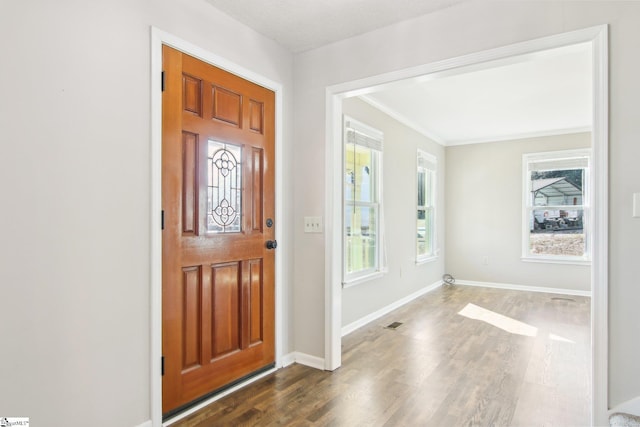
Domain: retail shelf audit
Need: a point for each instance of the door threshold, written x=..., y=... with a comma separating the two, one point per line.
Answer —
x=199, y=403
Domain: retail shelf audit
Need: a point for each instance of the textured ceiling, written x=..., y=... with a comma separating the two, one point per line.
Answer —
x=301, y=25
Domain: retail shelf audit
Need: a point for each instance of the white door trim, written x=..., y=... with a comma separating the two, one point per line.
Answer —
x=598, y=37
x=159, y=38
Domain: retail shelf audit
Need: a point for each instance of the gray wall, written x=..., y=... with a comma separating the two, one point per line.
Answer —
x=74, y=163
x=75, y=173
x=463, y=29
x=404, y=277
x=484, y=206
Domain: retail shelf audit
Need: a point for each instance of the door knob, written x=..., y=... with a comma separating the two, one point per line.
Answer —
x=272, y=244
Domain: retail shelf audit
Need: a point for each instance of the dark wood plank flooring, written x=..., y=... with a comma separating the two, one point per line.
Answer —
x=463, y=356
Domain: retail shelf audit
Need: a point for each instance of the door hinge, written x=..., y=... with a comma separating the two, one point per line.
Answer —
x=162, y=219
x=162, y=365
x=162, y=79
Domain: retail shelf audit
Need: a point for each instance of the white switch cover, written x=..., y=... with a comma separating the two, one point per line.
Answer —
x=313, y=224
x=636, y=205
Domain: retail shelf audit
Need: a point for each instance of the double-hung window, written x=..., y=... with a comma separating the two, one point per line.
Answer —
x=556, y=212
x=426, y=215
x=362, y=201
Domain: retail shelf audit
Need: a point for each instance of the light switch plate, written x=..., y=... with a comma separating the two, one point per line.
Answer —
x=636, y=205
x=313, y=224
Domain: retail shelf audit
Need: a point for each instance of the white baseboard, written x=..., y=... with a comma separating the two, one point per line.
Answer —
x=629, y=407
x=524, y=288
x=288, y=359
x=305, y=359
x=146, y=424
x=347, y=329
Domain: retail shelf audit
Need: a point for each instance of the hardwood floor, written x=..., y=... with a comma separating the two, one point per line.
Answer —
x=463, y=356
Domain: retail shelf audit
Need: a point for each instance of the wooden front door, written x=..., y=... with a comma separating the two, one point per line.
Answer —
x=218, y=205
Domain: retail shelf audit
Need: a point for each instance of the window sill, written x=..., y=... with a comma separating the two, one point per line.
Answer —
x=557, y=260
x=363, y=279
x=426, y=260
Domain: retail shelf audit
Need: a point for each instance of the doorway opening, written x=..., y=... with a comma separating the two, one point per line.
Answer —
x=596, y=38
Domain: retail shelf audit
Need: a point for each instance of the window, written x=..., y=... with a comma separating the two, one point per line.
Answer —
x=425, y=231
x=362, y=169
x=556, y=214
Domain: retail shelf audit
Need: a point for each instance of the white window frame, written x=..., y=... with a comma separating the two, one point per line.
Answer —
x=430, y=166
x=528, y=204
x=374, y=138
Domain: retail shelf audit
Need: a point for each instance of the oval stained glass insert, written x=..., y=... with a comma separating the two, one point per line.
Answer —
x=224, y=187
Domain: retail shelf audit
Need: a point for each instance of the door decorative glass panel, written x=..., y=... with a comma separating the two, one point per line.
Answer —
x=224, y=192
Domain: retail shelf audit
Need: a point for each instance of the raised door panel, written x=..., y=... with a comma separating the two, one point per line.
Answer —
x=255, y=302
x=191, y=318
x=190, y=180
x=192, y=94
x=256, y=186
x=227, y=106
x=226, y=283
x=256, y=116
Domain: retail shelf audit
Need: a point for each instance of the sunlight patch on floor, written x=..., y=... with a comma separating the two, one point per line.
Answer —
x=559, y=338
x=505, y=323
x=472, y=311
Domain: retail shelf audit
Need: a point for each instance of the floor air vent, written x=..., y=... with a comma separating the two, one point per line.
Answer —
x=563, y=299
x=394, y=325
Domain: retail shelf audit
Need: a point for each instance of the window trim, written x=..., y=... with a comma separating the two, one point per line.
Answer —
x=434, y=253
x=528, y=206
x=362, y=276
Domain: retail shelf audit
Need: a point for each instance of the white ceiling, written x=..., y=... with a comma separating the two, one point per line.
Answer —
x=547, y=93
x=301, y=25
x=535, y=95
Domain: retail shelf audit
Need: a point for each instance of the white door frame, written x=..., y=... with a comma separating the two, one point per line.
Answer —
x=597, y=37
x=159, y=38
